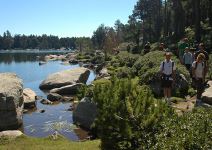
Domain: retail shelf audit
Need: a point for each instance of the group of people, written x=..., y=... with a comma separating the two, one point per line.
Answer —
x=195, y=60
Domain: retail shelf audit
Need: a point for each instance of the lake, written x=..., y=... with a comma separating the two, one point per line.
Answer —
x=26, y=65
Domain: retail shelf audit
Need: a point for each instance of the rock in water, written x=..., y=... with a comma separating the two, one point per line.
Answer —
x=66, y=77
x=11, y=101
x=85, y=113
x=69, y=89
x=29, y=98
x=54, y=97
x=207, y=95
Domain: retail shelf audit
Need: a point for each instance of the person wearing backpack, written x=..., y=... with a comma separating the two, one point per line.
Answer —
x=202, y=50
x=198, y=74
x=167, y=70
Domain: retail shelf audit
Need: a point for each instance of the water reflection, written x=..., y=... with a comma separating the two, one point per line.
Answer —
x=23, y=56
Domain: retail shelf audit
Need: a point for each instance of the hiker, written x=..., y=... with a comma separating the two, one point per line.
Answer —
x=198, y=74
x=202, y=50
x=161, y=47
x=181, y=48
x=187, y=59
x=147, y=48
x=167, y=70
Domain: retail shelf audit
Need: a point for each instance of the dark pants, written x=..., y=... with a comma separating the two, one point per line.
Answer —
x=188, y=67
x=200, y=87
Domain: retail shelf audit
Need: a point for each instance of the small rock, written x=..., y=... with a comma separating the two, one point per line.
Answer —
x=11, y=133
x=73, y=61
x=46, y=102
x=54, y=97
x=67, y=99
x=29, y=98
x=70, y=109
x=42, y=111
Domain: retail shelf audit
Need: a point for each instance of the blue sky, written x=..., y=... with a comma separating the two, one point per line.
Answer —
x=64, y=18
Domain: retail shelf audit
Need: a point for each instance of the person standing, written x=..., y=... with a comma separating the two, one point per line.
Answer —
x=167, y=70
x=198, y=74
x=202, y=50
x=187, y=59
x=181, y=48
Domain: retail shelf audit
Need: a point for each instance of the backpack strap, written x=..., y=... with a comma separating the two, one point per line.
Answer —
x=203, y=65
x=163, y=66
x=172, y=66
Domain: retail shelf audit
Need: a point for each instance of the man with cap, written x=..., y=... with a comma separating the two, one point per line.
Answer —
x=167, y=70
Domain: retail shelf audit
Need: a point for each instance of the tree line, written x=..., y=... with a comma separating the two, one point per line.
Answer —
x=7, y=41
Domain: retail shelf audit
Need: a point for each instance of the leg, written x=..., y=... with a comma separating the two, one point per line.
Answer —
x=200, y=88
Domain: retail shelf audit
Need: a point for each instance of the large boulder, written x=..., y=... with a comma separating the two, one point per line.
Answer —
x=69, y=89
x=11, y=101
x=66, y=77
x=85, y=113
x=29, y=98
x=207, y=95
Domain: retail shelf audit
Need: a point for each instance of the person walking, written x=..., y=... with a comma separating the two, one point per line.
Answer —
x=181, y=48
x=167, y=70
x=202, y=50
x=187, y=59
x=198, y=73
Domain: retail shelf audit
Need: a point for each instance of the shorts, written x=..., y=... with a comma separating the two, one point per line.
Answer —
x=166, y=81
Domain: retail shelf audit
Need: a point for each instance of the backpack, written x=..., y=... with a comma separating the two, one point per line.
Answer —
x=164, y=64
x=203, y=65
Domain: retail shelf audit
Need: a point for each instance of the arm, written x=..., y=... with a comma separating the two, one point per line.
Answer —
x=193, y=70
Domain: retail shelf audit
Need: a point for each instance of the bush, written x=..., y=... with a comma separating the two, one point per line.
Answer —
x=147, y=68
x=124, y=72
x=128, y=115
x=190, y=131
x=98, y=59
x=124, y=59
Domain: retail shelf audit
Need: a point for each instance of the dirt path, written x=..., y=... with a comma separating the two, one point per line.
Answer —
x=184, y=106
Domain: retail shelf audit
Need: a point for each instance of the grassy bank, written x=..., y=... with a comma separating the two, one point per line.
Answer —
x=48, y=143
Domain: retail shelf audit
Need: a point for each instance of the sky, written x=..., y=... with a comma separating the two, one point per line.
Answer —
x=63, y=18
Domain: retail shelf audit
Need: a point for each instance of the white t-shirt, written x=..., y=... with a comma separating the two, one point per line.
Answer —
x=199, y=70
x=167, y=69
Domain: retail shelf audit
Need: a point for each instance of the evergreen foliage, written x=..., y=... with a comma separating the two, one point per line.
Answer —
x=190, y=131
x=128, y=115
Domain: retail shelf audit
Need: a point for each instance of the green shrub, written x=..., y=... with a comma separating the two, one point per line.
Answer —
x=98, y=59
x=126, y=59
x=147, y=68
x=128, y=115
x=190, y=131
x=124, y=72
x=191, y=92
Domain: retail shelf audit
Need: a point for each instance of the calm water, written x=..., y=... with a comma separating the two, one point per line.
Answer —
x=25, y=65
